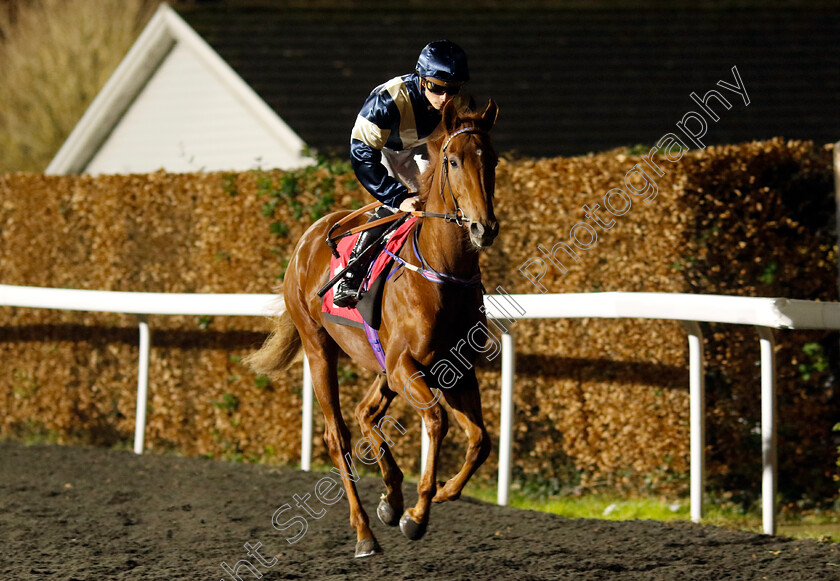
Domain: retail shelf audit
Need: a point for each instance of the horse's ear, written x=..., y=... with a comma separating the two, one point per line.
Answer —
x=450, y=116
x=488, y=118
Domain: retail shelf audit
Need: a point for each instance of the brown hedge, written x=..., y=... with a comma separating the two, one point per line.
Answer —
x=598, y=401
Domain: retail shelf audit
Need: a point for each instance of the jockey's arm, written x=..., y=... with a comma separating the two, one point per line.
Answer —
x=367, y=165
x=369, y=136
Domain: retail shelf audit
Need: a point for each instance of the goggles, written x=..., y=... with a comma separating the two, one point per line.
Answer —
x=440, y=88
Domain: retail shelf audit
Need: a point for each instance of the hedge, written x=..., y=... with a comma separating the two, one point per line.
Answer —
x=599, y=402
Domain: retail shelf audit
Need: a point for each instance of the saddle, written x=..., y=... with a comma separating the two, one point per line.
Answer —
x=368, y=311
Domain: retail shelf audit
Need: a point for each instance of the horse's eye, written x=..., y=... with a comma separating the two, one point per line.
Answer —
x=453, y=163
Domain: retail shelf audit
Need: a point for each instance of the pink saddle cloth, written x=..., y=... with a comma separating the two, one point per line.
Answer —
x=379, y=267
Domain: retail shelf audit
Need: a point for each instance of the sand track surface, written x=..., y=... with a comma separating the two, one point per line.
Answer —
x=69, y=513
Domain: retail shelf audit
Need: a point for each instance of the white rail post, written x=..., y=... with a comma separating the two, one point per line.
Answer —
x=697, y=422
x=506, y=419
x=142, y=386
x=769, y=453
x=306, y=419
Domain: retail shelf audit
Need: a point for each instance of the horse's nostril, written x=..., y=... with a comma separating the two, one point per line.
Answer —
x=476, y=229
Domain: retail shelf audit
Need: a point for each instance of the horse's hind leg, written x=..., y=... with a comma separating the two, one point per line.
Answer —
x=371, y=410
x=323, y=356
x=465, y=402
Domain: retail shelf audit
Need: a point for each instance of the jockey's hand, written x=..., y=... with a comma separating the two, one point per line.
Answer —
x=410, y=204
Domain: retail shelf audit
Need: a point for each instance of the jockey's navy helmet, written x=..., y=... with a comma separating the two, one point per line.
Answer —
x=445, y=61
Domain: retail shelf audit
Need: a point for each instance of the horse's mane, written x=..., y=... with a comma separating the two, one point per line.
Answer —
x=427, y=177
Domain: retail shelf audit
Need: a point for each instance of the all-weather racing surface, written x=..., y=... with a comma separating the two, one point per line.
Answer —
x=69, y=513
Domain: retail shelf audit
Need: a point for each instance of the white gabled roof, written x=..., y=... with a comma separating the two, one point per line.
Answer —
x=164, y=31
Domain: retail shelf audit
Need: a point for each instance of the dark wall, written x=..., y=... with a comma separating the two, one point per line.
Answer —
x=568, y=81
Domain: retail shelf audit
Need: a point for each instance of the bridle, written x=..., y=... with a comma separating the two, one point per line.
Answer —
x=457, y=216
x=427, y=271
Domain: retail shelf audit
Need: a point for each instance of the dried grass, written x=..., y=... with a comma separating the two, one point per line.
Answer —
x=55, y=55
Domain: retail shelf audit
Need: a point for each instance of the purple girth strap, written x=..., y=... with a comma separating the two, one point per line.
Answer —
x=373, y=338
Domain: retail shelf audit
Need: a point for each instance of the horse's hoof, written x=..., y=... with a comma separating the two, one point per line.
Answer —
x=411, y=529
x=386, y=514
x=367, y=547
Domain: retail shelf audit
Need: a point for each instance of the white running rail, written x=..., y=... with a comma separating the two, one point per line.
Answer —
x=763, y=313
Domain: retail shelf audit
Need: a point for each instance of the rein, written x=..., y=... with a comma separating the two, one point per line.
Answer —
x=426, y=270
x=457, y=216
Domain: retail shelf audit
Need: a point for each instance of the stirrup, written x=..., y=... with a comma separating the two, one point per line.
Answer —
x=344, y=295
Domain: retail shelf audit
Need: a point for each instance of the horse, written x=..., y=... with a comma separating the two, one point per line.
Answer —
x=421, y=323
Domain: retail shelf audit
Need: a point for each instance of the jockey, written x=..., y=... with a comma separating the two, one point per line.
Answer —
x=388, y=143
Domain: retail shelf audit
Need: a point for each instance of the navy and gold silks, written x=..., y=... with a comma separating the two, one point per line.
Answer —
x=396, y=116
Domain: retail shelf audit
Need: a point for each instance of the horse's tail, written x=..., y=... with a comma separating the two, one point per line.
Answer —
x=279, y=350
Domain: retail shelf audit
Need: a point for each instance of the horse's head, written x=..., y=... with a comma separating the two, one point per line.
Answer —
x=466, y=173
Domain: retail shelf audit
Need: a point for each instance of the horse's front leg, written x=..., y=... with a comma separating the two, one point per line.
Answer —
x=465, y=401
x=371, y=410
x=409, y=381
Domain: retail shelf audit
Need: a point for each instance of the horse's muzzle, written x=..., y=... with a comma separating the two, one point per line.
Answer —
x=483, y=236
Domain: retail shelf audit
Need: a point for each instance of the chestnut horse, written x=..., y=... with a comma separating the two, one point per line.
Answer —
x=422, y=323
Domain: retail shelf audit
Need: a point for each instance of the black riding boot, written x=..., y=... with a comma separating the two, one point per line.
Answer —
x=348, y=290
